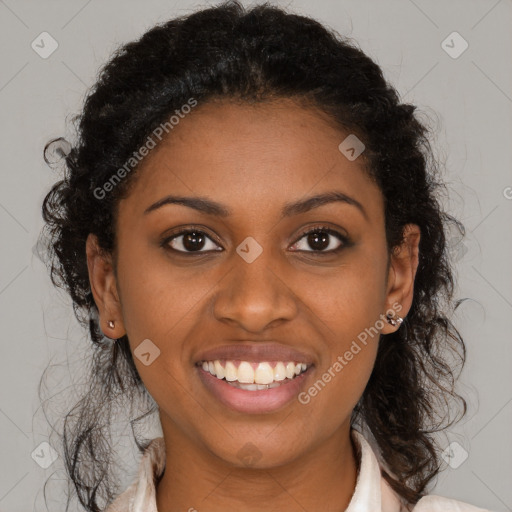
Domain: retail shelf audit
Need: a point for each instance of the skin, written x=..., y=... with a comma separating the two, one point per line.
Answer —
x=253, y=160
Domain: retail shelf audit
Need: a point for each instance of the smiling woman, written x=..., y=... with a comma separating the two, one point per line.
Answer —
x=269, y=274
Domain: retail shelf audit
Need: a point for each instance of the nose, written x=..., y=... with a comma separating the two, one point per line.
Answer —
x=255, y=296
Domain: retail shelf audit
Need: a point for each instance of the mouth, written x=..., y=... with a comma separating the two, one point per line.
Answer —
x=253, y=386
x=254, y=376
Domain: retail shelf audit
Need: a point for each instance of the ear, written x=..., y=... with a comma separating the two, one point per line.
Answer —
x=402, y=272
x=104, y=288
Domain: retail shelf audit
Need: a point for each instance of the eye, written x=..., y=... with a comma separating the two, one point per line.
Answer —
x=194, y=240
x=190, y=241
x=320, y=239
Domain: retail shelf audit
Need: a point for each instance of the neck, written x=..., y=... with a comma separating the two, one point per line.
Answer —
x=323, y=478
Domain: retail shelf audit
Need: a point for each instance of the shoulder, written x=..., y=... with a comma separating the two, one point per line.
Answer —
x=433, y=503
x=140, y=496
x=370, y=496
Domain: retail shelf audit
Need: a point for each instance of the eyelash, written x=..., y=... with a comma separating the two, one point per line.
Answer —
x=345, y=241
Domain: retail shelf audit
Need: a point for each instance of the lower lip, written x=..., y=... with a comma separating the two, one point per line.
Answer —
x=254, y=402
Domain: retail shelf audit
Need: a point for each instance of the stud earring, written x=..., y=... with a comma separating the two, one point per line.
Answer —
x=394, y=320
x=111, y=324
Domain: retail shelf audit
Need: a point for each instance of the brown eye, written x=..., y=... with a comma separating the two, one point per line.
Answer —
x=321, y=240
x=191, y=241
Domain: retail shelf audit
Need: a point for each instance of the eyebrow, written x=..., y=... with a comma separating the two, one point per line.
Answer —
x=210, y=207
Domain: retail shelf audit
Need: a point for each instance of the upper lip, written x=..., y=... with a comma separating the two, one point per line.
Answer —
x=255, y=352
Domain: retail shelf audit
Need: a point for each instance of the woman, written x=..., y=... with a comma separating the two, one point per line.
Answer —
x=250, y=227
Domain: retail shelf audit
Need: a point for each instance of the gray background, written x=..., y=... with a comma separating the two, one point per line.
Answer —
x=470, y=100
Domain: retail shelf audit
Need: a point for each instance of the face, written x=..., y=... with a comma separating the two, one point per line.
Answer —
x=255, y=277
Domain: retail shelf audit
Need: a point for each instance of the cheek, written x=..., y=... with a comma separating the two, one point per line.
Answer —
x=161, y=303
x=157, y=296
x=349, y=304
x=349, y=298
x=336, y=389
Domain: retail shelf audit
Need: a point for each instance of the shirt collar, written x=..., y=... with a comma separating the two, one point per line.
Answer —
x=372, y=492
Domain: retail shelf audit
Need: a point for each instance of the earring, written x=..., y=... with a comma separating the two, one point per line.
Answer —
x=111, y=324
x=394, y=320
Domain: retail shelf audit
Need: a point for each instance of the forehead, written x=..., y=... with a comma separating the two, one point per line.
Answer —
x=252, y=156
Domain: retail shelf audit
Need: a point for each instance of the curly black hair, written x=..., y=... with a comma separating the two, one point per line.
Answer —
x=256, y=55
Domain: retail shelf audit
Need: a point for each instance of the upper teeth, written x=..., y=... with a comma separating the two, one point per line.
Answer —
x=263, y=373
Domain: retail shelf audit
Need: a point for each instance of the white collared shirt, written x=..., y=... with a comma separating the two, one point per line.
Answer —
x=372, y=492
